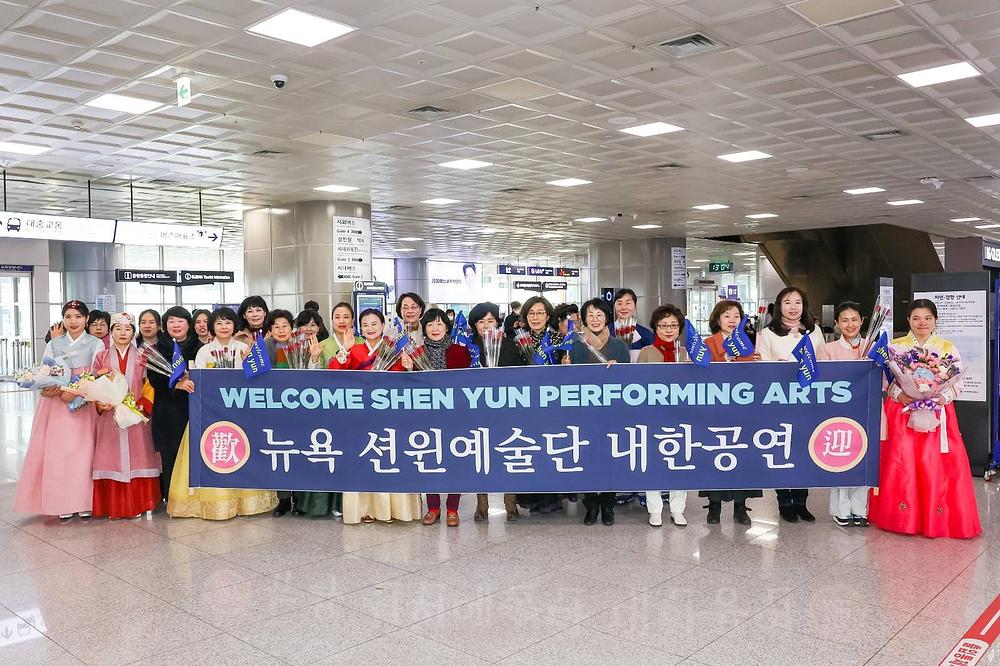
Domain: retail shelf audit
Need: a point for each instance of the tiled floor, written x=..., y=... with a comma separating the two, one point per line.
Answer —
x=545, y=590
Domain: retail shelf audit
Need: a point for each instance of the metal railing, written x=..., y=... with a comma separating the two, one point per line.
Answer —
x=15, y=355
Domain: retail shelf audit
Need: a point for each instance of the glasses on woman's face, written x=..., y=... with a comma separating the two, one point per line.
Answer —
x=668, y=327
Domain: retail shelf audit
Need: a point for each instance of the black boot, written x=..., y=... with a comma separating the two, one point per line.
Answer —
x=714, y=513
x=608, y=513
x=740, y=513
x=592, y=512
x=284, y=506
x=804, y=513
x=788, y=513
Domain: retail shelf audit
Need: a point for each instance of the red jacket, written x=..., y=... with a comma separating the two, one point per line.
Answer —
x=457, y=356
x=714, y=344
x=359, y=358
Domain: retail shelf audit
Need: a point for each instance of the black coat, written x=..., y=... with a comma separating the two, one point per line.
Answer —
x=509, y=355
x=170, y=406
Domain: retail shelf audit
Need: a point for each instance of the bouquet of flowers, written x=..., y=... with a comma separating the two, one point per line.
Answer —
x=389, y=350
x=73, y=389
x=625, y=329
x=151, y=359
x=924, y=375
x=524, y=343
x=297, y=350
x=223, y=358
x=492, y=341
x=111, y=389
x=418, y=354
x=50, y=372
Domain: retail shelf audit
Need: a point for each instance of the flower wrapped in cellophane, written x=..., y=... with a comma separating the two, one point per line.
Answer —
x=390, y=349
x=417, y=354
x=109, y=388
x=924, y=376
x=492, y=341
x=625, y=329
x=50, y=372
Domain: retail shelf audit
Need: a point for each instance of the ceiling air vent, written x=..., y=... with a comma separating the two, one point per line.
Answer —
x=513, y=190
x=268, y=153
x=398, y=207
x=669, y=166
x=982, y=179
x=428, y=112
x=887, y=134
x=162, y=182
x=689, y=45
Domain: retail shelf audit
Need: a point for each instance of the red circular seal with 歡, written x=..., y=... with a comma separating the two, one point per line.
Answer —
x=225, y=447
x=838, y=444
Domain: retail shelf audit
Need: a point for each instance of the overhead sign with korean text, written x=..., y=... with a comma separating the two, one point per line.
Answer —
x=56, y=227
x=352, y=249
x=559, y=429
x=176, y=235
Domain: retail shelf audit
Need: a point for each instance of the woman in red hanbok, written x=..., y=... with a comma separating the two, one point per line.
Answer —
x=369, y=507
x=925, y=483
x=126, y=466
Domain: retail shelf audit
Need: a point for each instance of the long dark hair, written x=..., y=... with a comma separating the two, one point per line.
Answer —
x=310, y=315
x=249, y=302
x=721, y=308
x=532, y=302
x=156, y=318
x=806, y=321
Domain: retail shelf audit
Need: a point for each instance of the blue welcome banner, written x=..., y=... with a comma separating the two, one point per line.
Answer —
x=626, y=427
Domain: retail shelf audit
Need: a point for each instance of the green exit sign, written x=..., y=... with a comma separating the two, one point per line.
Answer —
x=720, y=267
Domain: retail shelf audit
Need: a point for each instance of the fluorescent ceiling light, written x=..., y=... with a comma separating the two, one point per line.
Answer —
x=984, y=121
x=489, y=230
x=761, y=216
x=279, y=211
x=709, y=207
x=943, y=74
x=22, y=148
x=652, y=129
x=466, y=164
x=646, y=226
x=161, y=70
x=411, y=239
x=403, y=249
x=904, y=202
x=590, y=219
x=751, y=253
x=123, y=103
x=864, y=190
x=335, y=188
x=987, y=226
x=966, y=219
x=569, y=182
x=746, y=156
x=298, y=27
x=439, y=201
x=565, y=251
x=238, y=207
x=549, y=236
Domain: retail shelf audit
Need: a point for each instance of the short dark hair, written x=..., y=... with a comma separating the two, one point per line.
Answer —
x=311, y=305
x=625, y=291
x=372, y=311
x=514, y=305
x=250, y=302
x=434, y=314
x=274, y=315
x=309, y=315
x=922, y=303
x=532, y=302
x=413, y=297
x=601, y=305
x=806, y=321
x=98, y=314
x=563, y=311
x=846, y=305
x=664, y=311
x=720, y=309
x=223, y=313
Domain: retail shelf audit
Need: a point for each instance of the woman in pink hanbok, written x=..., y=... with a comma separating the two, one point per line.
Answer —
x=126, y=467
x=56, y=477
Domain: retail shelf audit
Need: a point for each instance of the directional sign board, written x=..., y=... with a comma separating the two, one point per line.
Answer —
x=176, y=235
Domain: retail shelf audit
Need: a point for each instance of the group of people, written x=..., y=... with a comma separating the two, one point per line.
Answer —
x=79, y=463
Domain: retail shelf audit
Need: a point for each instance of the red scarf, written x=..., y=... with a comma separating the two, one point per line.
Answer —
x=668, y=349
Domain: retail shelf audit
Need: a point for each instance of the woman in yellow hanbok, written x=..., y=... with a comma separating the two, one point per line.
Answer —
x=215, y=503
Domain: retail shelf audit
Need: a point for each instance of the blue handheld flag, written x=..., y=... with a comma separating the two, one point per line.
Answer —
x=805, y=355
x=695, y=346
x=257, y=361
x=178, y=366
x=880, y=351
x=739, y=343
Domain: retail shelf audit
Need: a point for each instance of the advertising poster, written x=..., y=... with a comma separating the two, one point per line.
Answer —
x=962, y=318
x=455, y=282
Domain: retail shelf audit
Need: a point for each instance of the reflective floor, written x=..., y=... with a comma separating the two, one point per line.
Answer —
x=544, y=590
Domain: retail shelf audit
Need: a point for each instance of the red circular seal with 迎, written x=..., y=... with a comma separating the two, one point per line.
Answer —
x=224, y=447
x=838, y=444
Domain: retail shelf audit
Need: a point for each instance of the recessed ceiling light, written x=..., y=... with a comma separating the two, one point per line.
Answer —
x=238, y=207
x=123, y=103
x=646, y=226
x=746, y=156
x=864, y=190
x=549, y=236
x=984, y=121
x=745, y=254
x=279, y=211
x=411, y=239
x=22, y=148
x=298, y=27
x=942, y=74
x=652, y=129
x=466, y=164
x=439, y=201
x=987, y=226
x=566, y=251
x=158, y=72
x=966, y=219
x=590, y=219
x=335, y=188
x=709, y=207
x=569, y=182
x=694, y=222
x=761, y=216
x=489, y=230
x=904, y=202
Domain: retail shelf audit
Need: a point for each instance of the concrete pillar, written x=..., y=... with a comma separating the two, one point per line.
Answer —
x=641, y=265
x=89, y=270
x=288, y=254
x=412, y=276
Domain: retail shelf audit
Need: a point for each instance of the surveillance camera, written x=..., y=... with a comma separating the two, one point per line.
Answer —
x=620, y=215
x=279, y=80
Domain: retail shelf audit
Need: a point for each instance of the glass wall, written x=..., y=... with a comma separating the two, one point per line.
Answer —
x=139, y=297
x=718, y=270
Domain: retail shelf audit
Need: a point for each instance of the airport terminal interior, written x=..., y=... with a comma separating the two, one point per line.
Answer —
x=276, y=187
